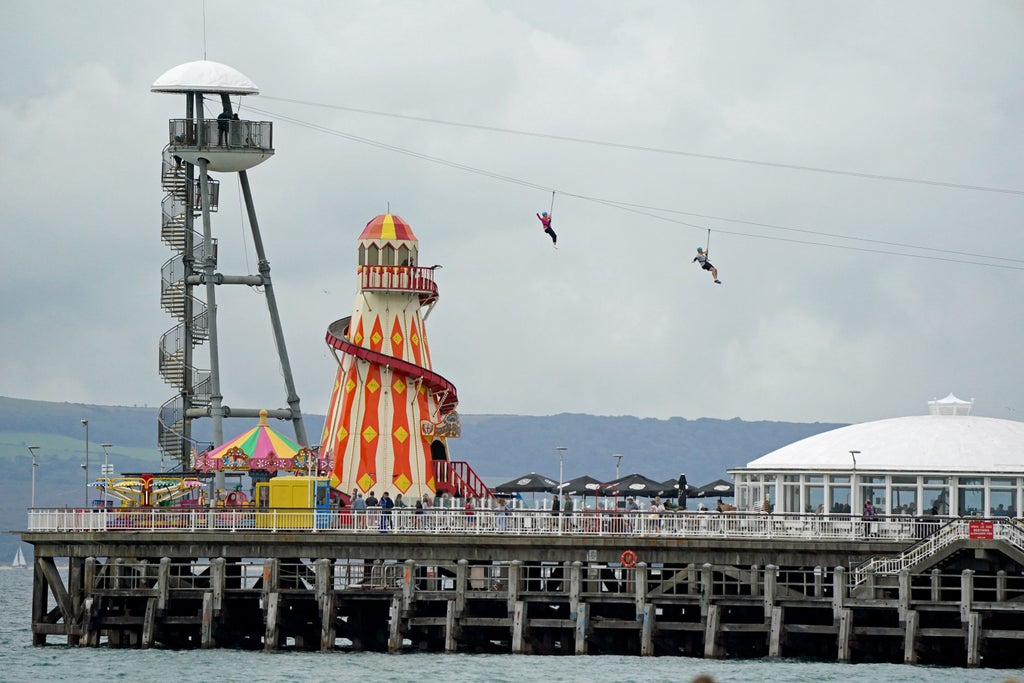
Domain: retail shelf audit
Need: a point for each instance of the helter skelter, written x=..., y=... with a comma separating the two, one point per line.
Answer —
x=390, y=415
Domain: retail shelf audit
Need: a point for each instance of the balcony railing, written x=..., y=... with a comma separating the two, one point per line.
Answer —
x=226, y=135
x=400, y=279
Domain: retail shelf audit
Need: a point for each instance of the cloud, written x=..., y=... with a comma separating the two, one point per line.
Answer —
x=618, y=320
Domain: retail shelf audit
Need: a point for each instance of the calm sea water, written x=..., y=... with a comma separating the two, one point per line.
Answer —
x=20, y=661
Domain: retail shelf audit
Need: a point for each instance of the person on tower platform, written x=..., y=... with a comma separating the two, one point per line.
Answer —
x=545, y=220
x=702, y=259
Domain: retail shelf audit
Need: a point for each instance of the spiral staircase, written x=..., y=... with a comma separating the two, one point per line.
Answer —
x=176, y=366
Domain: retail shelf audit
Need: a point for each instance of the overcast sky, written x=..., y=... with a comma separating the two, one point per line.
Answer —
x=617, y=321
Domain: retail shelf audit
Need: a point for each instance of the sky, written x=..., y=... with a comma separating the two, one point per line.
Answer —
x=890, y=131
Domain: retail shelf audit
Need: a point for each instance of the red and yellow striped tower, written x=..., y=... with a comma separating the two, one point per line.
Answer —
x=390, y=414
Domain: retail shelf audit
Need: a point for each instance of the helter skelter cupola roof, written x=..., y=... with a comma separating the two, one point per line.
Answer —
x=387, y=228
x=205, y=76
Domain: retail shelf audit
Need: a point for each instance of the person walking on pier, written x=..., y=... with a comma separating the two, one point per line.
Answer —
x=567, y=511
x=386, y=504
x=359, y=509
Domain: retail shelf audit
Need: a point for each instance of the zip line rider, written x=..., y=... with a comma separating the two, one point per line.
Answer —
x=545, y=220
x=702, y=259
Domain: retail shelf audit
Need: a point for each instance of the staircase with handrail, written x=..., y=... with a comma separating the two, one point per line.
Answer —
x=176, y=297
x=1009, y=530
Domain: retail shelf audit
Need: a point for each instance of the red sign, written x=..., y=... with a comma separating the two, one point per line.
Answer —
x=980, y=530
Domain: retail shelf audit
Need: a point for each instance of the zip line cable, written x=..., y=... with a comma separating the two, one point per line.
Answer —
x=637, y=209
x=660, y=150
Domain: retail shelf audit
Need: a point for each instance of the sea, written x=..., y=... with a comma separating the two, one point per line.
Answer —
x=21, y=661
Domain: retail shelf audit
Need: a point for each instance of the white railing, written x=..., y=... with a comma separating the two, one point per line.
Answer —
x=456, y=521
x=1003, y=529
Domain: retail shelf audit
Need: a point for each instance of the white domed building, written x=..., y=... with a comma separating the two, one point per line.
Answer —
x=946, y=463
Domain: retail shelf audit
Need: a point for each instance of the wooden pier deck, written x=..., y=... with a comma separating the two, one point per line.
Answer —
x=952, y=598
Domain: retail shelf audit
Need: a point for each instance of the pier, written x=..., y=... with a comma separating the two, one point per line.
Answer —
x=941, y=591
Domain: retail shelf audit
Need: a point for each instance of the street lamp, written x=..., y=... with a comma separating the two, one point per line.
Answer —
x=106, y=470
x=561, y=452
x=32, y=450
x=85, y=465
x=853, y=482
x=618, y=459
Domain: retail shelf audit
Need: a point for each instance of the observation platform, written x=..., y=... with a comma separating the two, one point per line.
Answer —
x=228, y=146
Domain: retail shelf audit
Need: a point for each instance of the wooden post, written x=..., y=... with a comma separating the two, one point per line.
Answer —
x=974, y=638
x=76, y=585
x=582, y=617
x=575, y=585
x=395, y=624
x=775, y=634
x=913, y=619
x=936, y=585
x=271, y=635
x=966, y=594
x=711, y=633
x=115, y=571
x=515, y=571
x=408, y=585
x=40, y=597
x=904, y=598
x=325, y=600
x=819, y=581
x=519, y=628
x=461, y=585
x=771, y=579
x=1001, y=586
x=206, y=629
x=640, y=588
x=707, y=588
x=271, y=575
x=647, y=631
x=845, y=631
x=755, y=580
x=838, y=591
x=149, y=624
x=217, y=579
x=451, y=639
x=90, y=634
x=163, y=583
x=692, y=585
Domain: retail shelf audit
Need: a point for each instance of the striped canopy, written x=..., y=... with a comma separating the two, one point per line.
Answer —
x=260, y=448
x=387, y=227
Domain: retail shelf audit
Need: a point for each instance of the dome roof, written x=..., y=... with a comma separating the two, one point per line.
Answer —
x=205, y=76
x=922, y=443
x=387, y=227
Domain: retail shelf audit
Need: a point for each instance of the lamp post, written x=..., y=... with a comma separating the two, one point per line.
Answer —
x=32, y=450
x=618, y=459
x=853, y=483
x=106, y=470
x=561, y=452
x=85, y=465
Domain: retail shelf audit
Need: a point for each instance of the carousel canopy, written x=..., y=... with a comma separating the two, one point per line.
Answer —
x=260, y=448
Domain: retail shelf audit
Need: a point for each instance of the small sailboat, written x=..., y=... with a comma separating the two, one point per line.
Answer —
x=19, y=560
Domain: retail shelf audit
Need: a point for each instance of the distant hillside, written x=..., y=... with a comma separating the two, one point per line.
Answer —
x=499, y=447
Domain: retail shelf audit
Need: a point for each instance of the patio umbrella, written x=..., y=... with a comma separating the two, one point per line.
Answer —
x=719, y=488
x=671, y=490
x=528, y=483
x=584, y=485
x=633, y=485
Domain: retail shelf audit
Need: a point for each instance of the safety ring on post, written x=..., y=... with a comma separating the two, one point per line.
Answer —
x=628, y=558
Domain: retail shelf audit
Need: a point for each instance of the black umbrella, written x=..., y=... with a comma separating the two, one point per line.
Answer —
x=672, y=490
x=633, y=485
x=528, y=483
x=719, y=488
x=583, y=486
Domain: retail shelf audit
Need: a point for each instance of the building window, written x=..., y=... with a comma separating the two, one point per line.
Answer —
x=373, y=255
x=970, y=497
x=1002, y=497
x=387, y=255
x=873, y=488
x=362, y=255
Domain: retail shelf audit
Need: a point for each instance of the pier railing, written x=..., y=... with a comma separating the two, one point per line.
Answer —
x=1001, y=528
x=520, y=522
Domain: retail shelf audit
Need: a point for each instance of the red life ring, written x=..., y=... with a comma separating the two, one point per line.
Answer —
x=628, y=558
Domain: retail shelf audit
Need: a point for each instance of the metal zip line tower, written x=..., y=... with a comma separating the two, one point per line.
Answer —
x=198, y=146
